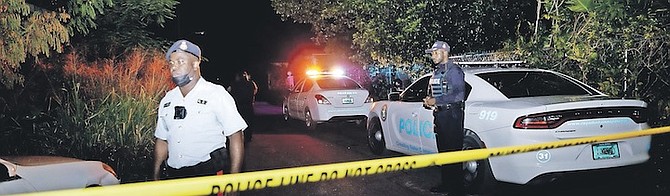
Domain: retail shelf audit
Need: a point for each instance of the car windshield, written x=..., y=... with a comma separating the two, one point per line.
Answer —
x=336, y=83
x=515, y=84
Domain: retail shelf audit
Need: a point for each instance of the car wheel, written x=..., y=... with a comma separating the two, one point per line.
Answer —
x=285, y=113
x=361, y=124
x=478, y=175
x=376, y=137
x=309, y=123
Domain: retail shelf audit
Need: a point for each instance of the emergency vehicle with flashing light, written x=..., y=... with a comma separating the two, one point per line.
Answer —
x=508, y=106
x=323, y=97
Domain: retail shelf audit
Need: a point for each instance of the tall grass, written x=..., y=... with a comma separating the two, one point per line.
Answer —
x=108, y=109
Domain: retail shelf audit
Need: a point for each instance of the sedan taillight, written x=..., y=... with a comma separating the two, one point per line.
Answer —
x=554, y=119
x=320, y=99
x=538, y=122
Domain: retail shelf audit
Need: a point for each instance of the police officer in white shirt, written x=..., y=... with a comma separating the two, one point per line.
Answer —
x=195, y=120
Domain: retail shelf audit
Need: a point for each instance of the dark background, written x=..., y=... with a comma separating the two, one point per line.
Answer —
x=248, y=35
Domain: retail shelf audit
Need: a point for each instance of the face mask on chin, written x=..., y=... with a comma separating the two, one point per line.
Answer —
x=182, y=80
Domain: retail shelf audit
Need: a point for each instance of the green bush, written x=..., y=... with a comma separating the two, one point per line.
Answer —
x=108, y=110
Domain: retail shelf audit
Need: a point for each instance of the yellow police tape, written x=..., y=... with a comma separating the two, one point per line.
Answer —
x=290, y=176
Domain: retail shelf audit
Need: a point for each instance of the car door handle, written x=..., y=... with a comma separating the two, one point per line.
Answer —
x=414, y=114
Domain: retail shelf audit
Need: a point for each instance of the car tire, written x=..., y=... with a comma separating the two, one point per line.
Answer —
x=285, y=113
x=310, y=124
x=361, y=124
x=376, y=140
x=478, y=177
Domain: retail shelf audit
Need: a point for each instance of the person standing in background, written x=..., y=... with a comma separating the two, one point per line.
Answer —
x=290, y=81
x=244, y=91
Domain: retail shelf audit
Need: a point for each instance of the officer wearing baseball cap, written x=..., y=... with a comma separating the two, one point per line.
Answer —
x=186, y=46
x=439, y=45
x=446, y=99
x=198, y=130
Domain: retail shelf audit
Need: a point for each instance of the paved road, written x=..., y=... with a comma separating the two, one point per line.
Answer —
x=278, y=144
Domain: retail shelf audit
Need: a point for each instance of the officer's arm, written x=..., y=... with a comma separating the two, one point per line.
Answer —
x=429, y=101
x=255, y=88
x=236, y=150
x=160, y=155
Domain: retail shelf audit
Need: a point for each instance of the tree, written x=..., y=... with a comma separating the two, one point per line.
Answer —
x=396, y=32
x=31, y=30
x=35, y=28
x=127, y=25
x=621, y=47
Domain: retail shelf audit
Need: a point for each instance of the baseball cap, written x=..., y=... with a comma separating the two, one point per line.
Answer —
x=439, y=45
x=186, y=46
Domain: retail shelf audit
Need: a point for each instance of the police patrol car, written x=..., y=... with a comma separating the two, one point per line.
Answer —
x=517, y=106
x=326, y=97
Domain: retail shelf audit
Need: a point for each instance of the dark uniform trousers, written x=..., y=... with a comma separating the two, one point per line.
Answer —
x=448, y=120
x=214, y=166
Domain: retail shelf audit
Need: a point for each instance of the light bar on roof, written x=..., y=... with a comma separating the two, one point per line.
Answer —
x=312, y=72
x=337, y=72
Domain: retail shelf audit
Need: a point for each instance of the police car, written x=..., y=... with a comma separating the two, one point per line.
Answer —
x=326, y=97
x=517, y=106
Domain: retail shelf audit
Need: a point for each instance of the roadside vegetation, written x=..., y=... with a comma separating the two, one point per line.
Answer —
x=87, y=84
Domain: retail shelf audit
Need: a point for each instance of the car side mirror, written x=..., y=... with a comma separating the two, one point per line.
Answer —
x=394, y=96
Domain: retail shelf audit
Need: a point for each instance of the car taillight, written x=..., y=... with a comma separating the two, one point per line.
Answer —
x=538, y=122
x=320, y=99
x=369, y=100
x=554, y=119
x=109, y=169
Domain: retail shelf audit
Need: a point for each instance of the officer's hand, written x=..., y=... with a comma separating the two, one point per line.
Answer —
x=428, y=102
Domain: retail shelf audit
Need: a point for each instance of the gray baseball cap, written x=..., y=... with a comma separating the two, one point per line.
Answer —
x=186, y=46
x=439, y=45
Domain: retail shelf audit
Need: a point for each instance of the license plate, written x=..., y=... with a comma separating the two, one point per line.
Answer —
x=348, y=100
x=608, y=150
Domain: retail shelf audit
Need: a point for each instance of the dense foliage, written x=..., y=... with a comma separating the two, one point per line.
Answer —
x=35, y=29
x=396, y=32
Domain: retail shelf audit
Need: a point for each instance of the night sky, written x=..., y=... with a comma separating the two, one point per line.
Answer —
x=241, y=35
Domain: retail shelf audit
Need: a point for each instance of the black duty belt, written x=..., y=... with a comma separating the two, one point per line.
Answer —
x=447, y=106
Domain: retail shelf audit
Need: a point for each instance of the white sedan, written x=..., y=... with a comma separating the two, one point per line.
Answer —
x=25, y=174
x=326, y=97
x=517, y=106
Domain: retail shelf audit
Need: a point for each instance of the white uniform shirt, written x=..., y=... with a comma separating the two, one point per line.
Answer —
x=211, y=115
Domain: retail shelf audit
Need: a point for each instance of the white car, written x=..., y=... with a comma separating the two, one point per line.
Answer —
x=26, y=174
x=517, y=106
x=326, y=97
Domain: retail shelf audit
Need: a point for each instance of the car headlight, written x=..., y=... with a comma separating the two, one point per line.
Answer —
x=109, y=169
